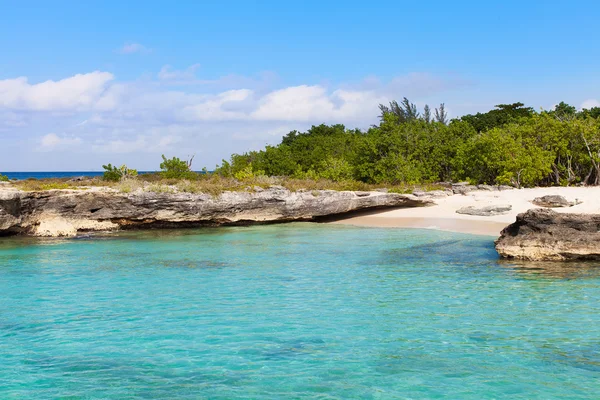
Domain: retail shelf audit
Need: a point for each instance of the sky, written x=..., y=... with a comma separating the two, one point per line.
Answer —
x=88, y=83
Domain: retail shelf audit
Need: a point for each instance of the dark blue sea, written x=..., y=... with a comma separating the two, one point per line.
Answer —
x=52, y=174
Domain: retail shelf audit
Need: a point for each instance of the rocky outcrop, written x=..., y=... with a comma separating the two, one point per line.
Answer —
x=554, y=201
x=486, y=211
x=542, y=234
x=66, y=212
x=465, y=188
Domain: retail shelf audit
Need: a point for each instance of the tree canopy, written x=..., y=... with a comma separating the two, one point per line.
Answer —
x=510, y=144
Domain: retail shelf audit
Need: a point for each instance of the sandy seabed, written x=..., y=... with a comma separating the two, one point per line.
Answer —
x=443, y=215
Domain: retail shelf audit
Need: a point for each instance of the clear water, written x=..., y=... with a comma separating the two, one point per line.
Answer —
x=289, y=312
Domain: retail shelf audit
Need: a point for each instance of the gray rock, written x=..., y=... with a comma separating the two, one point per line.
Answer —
x=545, y=235
x=487, y=187
x=553, y=201
x=434, y=194
x=462, y=188
x=505, y=187
x=61, y=212
x=487, y=211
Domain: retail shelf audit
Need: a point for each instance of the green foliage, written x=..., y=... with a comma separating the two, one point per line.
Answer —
x=511, y=144
x=498, y=117
x=115, y=174
x=245, y=173
x=175, y=168
x=564, y=111
x=3, y=178
x=336, y=169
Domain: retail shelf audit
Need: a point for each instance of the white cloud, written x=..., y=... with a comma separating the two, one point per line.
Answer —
x=215, y=118
x=306, y=103
x=169, y=74
x=131, y=48
x=74, y=93
x=142, y=143
x=52, y=141
x=591, y=103
x=219, y=107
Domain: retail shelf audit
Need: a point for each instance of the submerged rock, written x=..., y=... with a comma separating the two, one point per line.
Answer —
x=67, y=212
x=487, y=211
x=542, y=234
x=553, y=201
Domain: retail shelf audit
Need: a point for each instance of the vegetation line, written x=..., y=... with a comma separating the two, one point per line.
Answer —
x=511, y=144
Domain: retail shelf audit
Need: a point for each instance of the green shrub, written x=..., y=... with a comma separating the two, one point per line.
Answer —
x=115, y=174
x=245, y=173
x=336, y=169
x=3, y=178
x=175, y=168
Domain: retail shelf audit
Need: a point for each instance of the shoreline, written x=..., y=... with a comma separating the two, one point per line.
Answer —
x=483, y=228
x=443, y=216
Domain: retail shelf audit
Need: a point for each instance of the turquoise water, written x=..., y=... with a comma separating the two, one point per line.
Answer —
x=292, y=311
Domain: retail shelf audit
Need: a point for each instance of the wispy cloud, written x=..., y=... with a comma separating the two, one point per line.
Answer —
x=53, y=141
x=131, y=48
x=167, y=73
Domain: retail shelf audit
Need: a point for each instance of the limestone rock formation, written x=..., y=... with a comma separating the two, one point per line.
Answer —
x=66, y=212
x=486, y=211
x=553, y=201
x=543, y=235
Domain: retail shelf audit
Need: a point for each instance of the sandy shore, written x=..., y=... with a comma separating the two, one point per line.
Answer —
x=443, y=215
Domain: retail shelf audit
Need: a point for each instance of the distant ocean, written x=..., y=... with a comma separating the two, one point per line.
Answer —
x=52, y=174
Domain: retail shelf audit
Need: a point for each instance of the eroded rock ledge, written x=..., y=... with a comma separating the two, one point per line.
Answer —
x=67, y=212
x=541, y=234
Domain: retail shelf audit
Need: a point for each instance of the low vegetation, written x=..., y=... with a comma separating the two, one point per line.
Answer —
x=116, y=174
x=35, y=185
x=4, y=178
x=408, y=150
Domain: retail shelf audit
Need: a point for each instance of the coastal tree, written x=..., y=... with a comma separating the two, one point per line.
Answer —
x=176, y=168
x=115, y=174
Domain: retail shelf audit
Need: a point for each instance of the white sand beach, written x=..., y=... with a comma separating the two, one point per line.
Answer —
x=443, y=215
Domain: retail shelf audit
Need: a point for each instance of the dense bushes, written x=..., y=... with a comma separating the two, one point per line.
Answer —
x=115, y=174
x=3, y=178
x=511, y=144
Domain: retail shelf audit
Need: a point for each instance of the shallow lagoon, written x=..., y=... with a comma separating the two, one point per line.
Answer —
x=292, y=311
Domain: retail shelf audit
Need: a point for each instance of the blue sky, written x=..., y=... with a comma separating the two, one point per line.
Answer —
x=84, y=84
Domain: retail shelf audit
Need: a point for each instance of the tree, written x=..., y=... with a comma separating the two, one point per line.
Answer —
x=500, y=116
x=564, y=111
x=427, y=114
x=176, y=168
x=115, y=174
x=593, y=112
x=405, y=111
x=440, y=115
